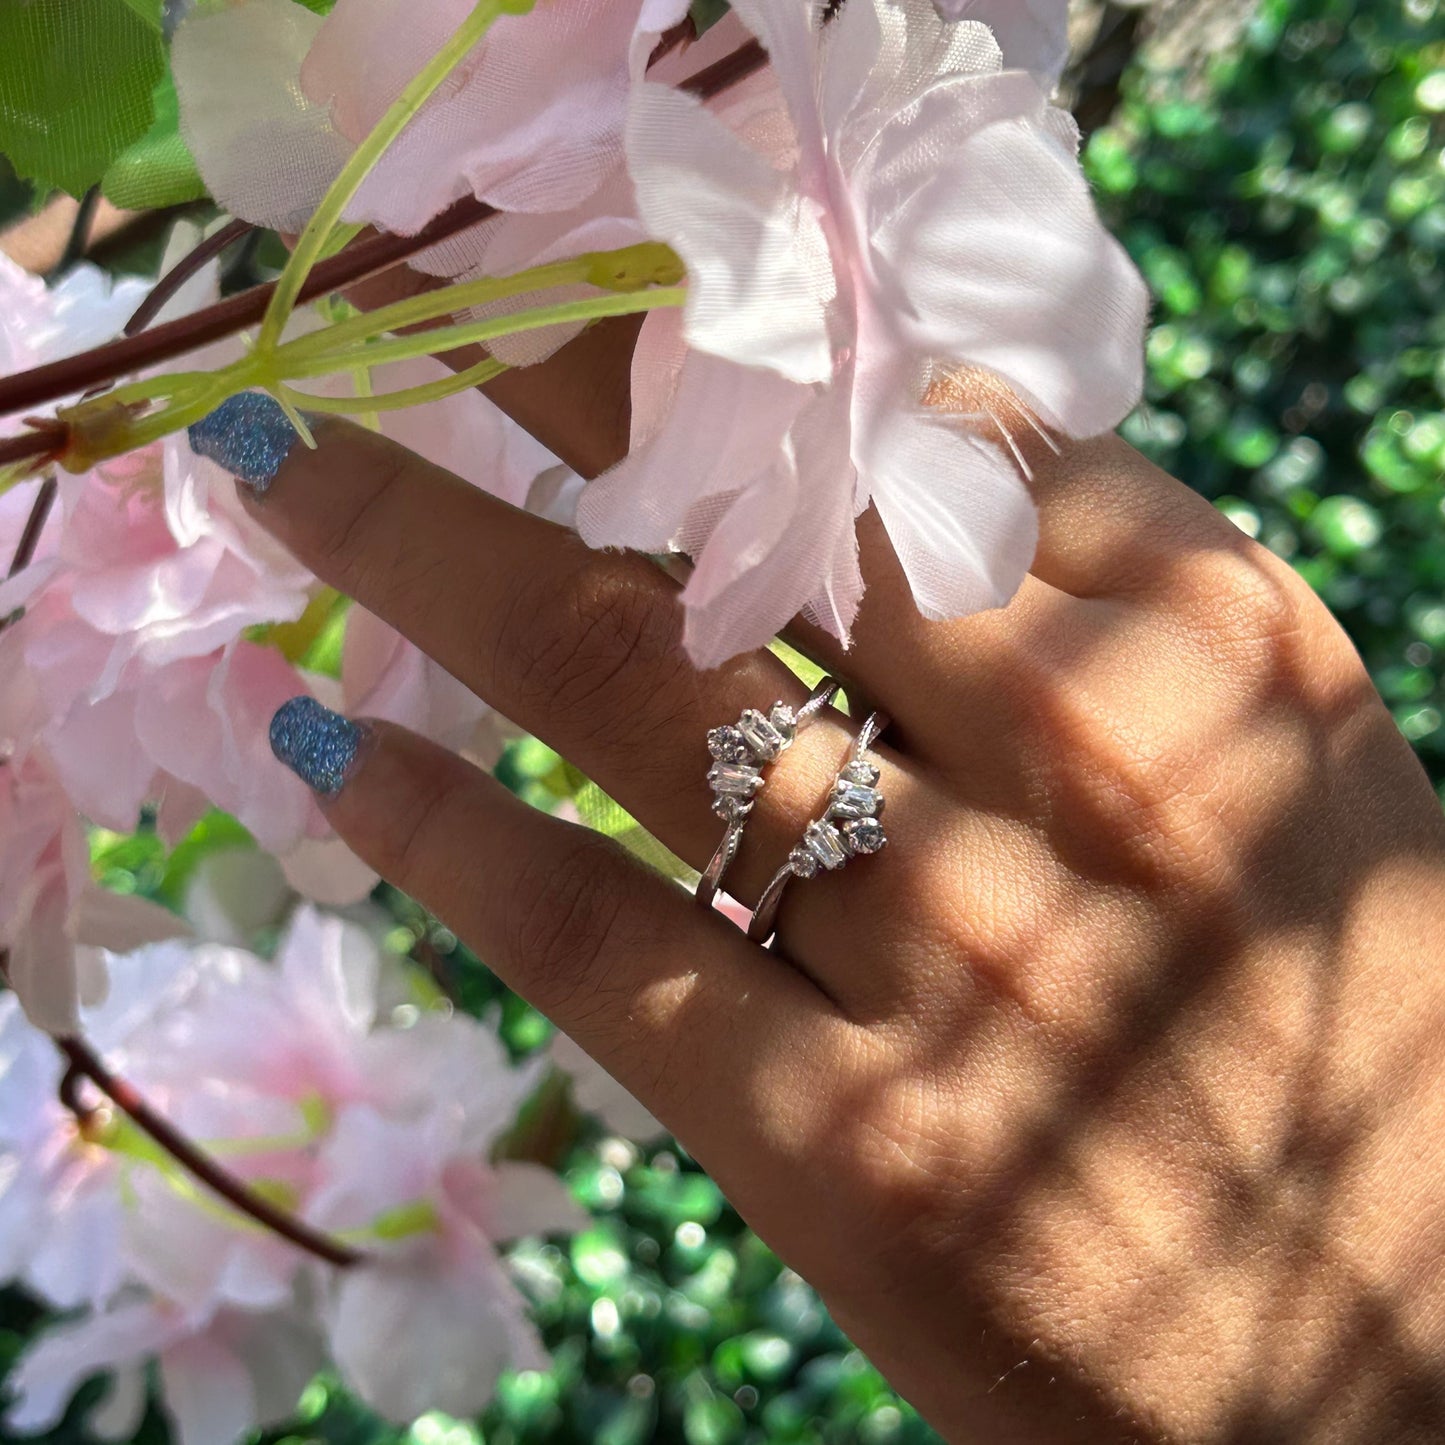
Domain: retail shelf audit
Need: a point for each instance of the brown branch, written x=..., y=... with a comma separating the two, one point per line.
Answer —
x=34, y=526
x=47, y=440
x=79, y=237
x=46, y=384
x=182, y=272
x=174, y=338
x=84, y=1063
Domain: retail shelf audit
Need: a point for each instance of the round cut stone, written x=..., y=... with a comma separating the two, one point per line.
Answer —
x=861, y=771
x=727, y=745
x=803, y=863
x=784, y=719
x=863, y=835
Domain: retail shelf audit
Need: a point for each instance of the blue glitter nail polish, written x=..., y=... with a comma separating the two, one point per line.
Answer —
x=249, y=435
x=318, y=745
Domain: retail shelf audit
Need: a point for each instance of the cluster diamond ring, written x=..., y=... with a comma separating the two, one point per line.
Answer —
x=740, y=751
x=848, y=828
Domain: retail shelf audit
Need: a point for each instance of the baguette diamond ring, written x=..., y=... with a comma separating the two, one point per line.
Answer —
x=848, y=828
x=740, y=751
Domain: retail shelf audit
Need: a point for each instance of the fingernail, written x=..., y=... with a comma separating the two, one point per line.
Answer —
x=318, y=745
x=249, y=435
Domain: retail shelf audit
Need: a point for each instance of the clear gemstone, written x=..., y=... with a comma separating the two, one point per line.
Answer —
x=727, y=745
x=853, y=800
x=761, y=736
x=825, y=843
x=735, y=780
x=861, y=771
x=863, y=835
x=730, y=809
x=803, y=863
x=784, y=719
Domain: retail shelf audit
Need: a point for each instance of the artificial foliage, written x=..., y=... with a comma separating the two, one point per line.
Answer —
x=1287, y=207
x=74, y=96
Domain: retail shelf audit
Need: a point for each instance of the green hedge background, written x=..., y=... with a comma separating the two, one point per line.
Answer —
x=1288, y=208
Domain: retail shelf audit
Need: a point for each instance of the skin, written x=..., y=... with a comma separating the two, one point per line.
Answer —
x=1104, y=1104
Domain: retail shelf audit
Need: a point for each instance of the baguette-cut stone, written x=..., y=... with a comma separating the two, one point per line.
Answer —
x=861, y=771
x=825, y=843
x=853, y=800
x=761, y=736
x=727, y=745
x=863, y=835
x=734, y=780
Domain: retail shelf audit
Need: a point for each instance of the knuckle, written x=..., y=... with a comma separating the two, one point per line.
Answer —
x=404, y=847
x=1242, y=600
x=594, y=653
x=348, y=534
x=562, y=927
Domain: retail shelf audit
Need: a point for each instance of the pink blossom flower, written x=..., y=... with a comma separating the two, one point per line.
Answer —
x=53, y=918
x=531, y=121
x=40, y=323
x=143, y=659
x=223, y=1373
x=61, y=1212
x=836, y=275
x=434, y=1323
x=294, y=1077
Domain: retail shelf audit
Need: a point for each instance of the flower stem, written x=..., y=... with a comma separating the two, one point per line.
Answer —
x=441, y=339
x=312, y=241
x=363, y=404
x=85, y=1063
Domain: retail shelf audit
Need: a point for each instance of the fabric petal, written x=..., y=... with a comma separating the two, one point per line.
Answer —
x=957, y=511
x=806, y=505
x=759, y=273
x=267, y=153
x=207, y=1393
x=1033, y=34
x=1030, y=286
x=528, y=1199
x=727, y=425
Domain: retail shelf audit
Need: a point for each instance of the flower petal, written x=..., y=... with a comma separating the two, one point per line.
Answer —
x=759, y=273
x=1028, y=284
x=961, y=521
x=267, y=153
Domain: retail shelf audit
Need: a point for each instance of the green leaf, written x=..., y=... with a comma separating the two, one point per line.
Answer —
x=703, y=13
x=75, y=87
x=148, y=10
x=158, y=169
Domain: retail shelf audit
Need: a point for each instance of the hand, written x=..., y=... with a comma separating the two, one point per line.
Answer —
x=1104, y=1104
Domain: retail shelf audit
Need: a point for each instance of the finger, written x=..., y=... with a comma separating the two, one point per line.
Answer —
x=713, y=1035
x=582, y=648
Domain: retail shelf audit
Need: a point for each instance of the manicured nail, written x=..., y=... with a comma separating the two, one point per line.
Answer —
x=318, y=745
x=249, y=435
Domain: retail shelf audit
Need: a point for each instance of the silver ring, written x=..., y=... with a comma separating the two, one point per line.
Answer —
x=740, y=751
x=848, y=828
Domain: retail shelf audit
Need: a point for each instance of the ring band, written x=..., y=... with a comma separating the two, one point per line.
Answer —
x=740, y=751
x=848, y=828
